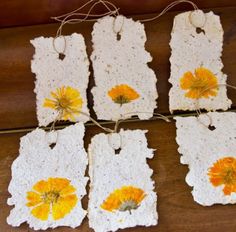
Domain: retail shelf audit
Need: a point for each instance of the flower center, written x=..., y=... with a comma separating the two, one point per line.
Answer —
x=198, y=83
x=50, y=197
x=121, y=99
x=128, y=205
x=229, y=176
x=63, y=102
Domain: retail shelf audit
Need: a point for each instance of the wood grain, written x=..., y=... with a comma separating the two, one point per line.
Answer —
x=17, y=100
x=177, y=210
x=28, y=12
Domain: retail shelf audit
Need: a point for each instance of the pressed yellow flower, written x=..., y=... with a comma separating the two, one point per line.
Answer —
x=203, y=83
x=67, y=101
x=223, y=172
x=53, y=196
x=122, y=94
x=123, y=199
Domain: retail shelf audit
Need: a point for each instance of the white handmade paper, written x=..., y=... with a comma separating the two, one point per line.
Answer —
x=119, y=58
x=201, y=148
x=196, y=42
x=109, y=172
x=37, y=161
x=53, y=73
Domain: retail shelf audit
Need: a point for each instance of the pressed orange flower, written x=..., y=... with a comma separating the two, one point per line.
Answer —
x=53, y=196
x=122, y=94
x=203, y=83
x=67, y=101
x=223, y=172
x=123, y=199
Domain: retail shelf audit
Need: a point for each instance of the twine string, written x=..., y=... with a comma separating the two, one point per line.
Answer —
x=75, y=20
x=116, y=10
x=76, y=13
x=57, y=18
x=96, y=122
x=168, y=7
x=113, y=26
x=65, y=18
x=197, y=102
x=158, y=116
x=117, y=123
x=52, y=128
x=58, y=118
x=112, y=10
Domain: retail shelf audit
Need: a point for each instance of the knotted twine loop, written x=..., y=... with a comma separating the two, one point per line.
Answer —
x=201, y=20
x=54, y=45
x=116, y=127
x=110, y=142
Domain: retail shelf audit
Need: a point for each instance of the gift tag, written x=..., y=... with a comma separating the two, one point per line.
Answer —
x=121, y=190
x=62, y=73
x=48, y=182
x=125, y=85
x=208, y=146
x=196, y=66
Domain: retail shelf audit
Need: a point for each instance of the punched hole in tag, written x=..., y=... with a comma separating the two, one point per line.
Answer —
x=199, y=30
x=118, y=36
x=52, y=145
x=211, y=127
x=61, y=56
x=117, y=151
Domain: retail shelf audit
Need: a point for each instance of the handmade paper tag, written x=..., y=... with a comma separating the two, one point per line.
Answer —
x=210, y=154
x=125, y=85
x=62, y=74
x=48, y=183
x=121, y=190
x=196, y=66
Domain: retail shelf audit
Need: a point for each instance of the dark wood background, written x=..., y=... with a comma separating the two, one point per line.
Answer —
x=21, y=21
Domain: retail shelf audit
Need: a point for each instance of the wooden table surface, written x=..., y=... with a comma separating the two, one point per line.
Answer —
x=176, y=208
